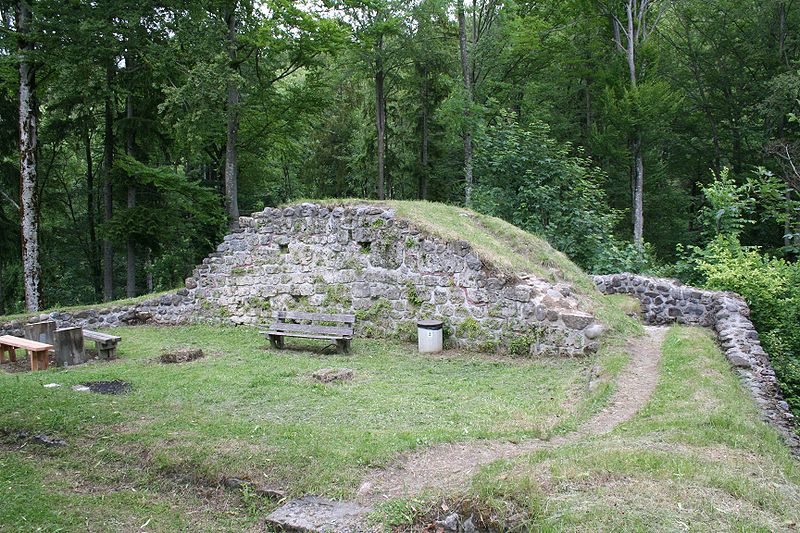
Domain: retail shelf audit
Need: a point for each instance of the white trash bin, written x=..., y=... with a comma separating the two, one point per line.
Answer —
x=429, y=336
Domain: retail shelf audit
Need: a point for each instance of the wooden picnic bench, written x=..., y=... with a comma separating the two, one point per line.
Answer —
x=38, y=352
x=106, y=344
x=306, y=325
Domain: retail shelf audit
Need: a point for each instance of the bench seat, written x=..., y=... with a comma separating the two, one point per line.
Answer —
x=302, y=325
x=105, y=343
x=37, y=351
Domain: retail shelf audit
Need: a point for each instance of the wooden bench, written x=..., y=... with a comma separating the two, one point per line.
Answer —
x=37, y=351
x=106, y=344
x=299, y=324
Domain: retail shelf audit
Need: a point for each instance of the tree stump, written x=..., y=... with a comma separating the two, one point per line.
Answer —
x=69, y=347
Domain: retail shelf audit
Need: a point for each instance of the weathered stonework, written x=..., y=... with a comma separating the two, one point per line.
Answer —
x=666, y=301
x=363, y=259
x=366, y=260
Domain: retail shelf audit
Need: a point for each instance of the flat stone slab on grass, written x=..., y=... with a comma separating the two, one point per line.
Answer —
x=330, y=375
x=182, y=355
x=314, y=513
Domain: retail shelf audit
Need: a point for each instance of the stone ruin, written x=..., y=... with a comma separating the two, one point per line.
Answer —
x=364, y=259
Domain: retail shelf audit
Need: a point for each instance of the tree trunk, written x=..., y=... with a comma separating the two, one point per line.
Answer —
x=638, y=193
x=467, y=78
x=380, y=117
x=636, y=144
x=29, y=215
x=232, y=107
x=131, y=203
x=108, y=198
x=2, y=293
x=94, y=260
x=148, y=261
x=422, y=189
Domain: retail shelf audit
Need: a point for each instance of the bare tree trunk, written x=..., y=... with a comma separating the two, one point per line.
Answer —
x=131, y=203
x=232, y=107
x=108, y=198
x=29, y=215
x=94, y=260
x=467, y=78
x=380, y=117
x=149, y=267
x=422, y=188
x=636, y=142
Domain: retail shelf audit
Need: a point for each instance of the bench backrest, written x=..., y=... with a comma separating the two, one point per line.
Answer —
x=282, y=316
x=17, y=342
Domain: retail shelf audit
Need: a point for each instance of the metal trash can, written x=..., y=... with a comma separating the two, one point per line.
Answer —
x=429, y=336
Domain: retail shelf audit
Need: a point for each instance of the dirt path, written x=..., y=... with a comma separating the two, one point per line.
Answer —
x=450, y=466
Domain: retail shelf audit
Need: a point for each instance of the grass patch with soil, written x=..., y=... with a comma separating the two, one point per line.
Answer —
x=163, y=452
x=696, y=458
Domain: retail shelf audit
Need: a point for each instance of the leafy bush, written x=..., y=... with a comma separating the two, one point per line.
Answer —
x=771, y=287
x=527, y=178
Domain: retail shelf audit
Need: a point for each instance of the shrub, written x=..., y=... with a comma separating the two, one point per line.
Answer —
x=771, y=287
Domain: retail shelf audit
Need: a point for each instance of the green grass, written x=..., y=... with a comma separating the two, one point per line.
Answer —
x=696, y=458
x=160, y=451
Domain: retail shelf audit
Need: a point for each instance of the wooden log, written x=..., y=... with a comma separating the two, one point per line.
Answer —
x=69, y=347
x=41, y=331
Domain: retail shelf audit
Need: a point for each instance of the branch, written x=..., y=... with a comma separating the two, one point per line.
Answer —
x=11, y=200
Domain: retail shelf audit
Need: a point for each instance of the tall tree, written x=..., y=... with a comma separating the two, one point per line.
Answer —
x=29, y=208
x=466, y=75
x=232, y=112
x=637, y=25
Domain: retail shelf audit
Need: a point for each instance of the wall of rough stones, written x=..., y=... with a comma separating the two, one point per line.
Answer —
x=666, y=301
x=363, y=259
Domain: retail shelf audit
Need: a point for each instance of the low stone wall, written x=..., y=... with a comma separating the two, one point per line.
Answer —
x=666, y=301
x=169, y=309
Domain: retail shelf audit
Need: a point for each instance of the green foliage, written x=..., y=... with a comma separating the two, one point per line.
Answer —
x=727, y=206
x=771, y=287
x=533, y=182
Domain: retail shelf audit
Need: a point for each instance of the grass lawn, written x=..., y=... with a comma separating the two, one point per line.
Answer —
x=157, y=455
x=696, y=458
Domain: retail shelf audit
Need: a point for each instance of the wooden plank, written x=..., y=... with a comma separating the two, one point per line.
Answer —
x=303, y=335
x=24, y=343
x=314, y=317
x=69, y=347
x=98, y=336
x=311, y=328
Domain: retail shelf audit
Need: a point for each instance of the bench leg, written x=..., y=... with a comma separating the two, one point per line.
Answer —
x=106, y=350
x=11, y=351
x=34, y=361
x=44, y=359
x=343, y=345
x=3, y=354
x=276, y=341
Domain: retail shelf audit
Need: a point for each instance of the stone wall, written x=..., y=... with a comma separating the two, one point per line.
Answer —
x=366, y=260
x=666, y=301
x=169, y=309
